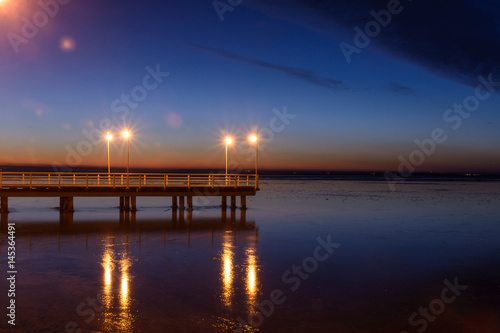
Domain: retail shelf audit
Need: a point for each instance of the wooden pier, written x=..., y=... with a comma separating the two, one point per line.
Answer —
x=127, y=187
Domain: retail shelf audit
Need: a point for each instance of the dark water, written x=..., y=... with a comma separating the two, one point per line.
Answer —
x=307, y=256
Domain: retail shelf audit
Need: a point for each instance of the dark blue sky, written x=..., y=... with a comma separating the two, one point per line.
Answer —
x=335, y=85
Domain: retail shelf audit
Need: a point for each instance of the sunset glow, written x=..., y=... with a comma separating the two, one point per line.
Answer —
x=329, y=110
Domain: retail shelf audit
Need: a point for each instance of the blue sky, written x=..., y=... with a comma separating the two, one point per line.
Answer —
x=234, y=76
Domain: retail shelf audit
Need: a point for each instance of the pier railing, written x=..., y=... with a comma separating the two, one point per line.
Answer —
x=119, y=180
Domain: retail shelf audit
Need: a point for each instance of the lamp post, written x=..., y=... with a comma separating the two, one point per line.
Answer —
x=228, y=142
x=254, y=138
x=109, y=137
x=126, y=135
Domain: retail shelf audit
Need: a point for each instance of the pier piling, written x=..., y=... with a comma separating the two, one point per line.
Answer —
x=4, y=207
x=66, y=204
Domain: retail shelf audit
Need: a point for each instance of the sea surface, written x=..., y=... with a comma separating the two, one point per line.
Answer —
x=308, y=255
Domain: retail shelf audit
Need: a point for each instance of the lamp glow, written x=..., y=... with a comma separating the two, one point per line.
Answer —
x=126, y=135
x=228, y=142
x=109, y=137
x=254, y=139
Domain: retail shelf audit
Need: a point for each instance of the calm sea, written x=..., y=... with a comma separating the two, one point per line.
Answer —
x=309, y=255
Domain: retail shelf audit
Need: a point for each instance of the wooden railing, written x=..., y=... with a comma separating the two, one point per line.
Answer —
x=114, y=180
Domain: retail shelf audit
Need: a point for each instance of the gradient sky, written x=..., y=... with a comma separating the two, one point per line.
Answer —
x=233, y=76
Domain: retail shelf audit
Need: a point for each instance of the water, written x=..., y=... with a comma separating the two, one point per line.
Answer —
x=390, y=255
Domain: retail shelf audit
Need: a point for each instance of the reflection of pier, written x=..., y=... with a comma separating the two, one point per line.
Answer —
x=221, y=251
x=127, y=186
x=237, y=288
x=129, y=223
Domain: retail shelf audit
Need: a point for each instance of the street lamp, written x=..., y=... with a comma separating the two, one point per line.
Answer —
x=109, y=137
x=126, y=135
x=228, y=142
x=254, y=138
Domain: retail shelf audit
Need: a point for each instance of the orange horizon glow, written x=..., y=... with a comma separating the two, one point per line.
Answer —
x=146, y=155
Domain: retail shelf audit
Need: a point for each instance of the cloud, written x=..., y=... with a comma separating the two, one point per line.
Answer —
x=298, y=73
x=457, y=39
x=401, y=89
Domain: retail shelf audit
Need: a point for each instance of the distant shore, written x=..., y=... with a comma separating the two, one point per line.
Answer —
x=280, y=174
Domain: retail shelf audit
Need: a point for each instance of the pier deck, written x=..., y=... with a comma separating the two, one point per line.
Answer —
x=127, y=187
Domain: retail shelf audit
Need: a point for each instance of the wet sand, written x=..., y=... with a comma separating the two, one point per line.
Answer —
x=307, y=256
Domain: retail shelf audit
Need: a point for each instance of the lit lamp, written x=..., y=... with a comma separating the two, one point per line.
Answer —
x=126, y=135
x=228, y=142
x=254, y=138
x=109, y=137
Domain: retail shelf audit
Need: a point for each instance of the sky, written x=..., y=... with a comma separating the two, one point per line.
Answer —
x=340, y=85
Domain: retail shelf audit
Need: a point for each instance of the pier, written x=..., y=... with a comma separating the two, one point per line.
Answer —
x=182, y=188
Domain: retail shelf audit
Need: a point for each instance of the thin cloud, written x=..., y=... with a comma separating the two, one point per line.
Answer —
x=455, y=39
x=401, y=89
x=298, y=73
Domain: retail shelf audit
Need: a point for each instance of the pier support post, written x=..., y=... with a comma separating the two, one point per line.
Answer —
x=174, y=203
x=224, y=202
x=4, y=205
x=233, y=202
x=134, y=203
x=5, y=221
x=181, y=203
x=66, y=204
x=243, y=202
x=122, y=203
x=190, y=203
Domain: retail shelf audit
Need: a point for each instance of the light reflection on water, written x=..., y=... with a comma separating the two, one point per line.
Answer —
x=117, y=317
x=156, y=270
x=240, y=276
x=227, y=272
x=122, y=249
